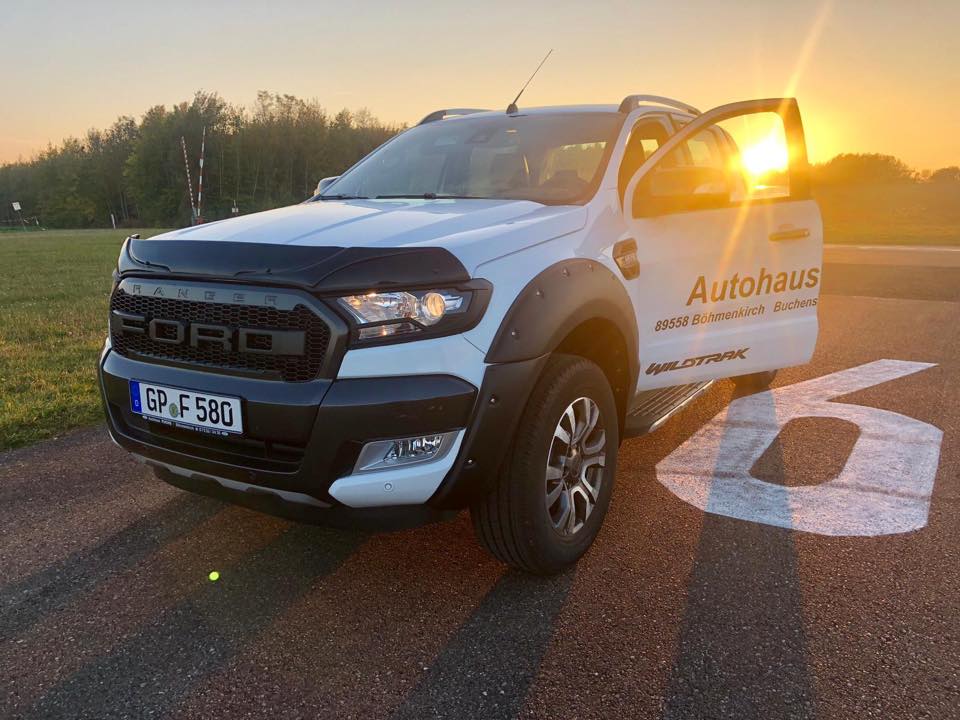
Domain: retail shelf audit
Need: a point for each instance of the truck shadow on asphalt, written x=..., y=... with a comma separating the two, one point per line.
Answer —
x=484, y=668
x=26, y=602
x=490, y=663
x=740, y=652
x=157, y=667
x=742, y=649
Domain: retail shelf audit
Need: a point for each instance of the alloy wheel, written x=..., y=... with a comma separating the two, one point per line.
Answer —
x=575, y=464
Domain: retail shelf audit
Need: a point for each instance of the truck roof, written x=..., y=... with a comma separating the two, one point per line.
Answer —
x=459, y=113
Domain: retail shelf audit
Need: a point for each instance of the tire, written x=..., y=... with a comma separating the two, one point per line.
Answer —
x=514, y=522
x=755, y=381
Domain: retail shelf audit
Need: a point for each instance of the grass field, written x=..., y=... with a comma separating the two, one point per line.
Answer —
x=54, y=287
x=897, y=214
x=53, y=319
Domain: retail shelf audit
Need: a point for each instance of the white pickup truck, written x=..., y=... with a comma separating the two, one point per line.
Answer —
x=476, y=315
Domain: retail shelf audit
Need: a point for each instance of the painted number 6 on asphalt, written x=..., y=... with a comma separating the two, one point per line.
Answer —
x=884, y=487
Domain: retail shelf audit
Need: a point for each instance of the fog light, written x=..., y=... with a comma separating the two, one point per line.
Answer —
x=383, y=454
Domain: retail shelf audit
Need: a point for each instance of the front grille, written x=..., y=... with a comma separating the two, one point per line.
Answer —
x=290, y=368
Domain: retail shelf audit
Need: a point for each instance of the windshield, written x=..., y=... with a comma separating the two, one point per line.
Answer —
x=552, y=159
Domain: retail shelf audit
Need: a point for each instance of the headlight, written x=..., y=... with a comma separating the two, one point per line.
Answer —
x=384, y=316
x=380, y=314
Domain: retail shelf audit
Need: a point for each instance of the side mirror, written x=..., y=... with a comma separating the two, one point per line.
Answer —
x=325, y=183
x=681, y=189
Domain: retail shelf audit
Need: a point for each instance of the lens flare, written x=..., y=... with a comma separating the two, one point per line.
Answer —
x=765, y=156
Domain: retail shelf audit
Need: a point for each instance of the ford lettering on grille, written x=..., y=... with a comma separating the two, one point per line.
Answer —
x=265, y=334
x=225, y=338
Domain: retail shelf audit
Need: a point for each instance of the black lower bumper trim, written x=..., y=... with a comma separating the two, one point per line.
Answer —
x=400, y=517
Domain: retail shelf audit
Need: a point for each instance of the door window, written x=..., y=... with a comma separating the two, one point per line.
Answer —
x=705, y=151
x=760, y=157
x=736, y=160
x=645, y=138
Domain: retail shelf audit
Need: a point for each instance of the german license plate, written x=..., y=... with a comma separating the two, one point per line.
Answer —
x=189, y=409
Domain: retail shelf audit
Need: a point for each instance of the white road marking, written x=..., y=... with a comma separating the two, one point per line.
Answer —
x=883, y=489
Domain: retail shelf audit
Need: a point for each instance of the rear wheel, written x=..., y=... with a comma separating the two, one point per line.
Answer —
x=553, y=492
x=755, y=381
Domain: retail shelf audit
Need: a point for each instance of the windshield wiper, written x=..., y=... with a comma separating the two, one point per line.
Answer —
x=342, y=197
x=431, y=196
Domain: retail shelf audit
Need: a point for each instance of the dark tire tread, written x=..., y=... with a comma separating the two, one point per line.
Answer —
x=498, y=525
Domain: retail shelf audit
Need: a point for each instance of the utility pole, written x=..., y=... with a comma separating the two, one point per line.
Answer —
x=186, y=163
x=203, y=144
x=235, y=208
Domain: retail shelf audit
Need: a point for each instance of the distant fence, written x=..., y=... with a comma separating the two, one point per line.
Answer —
x=27, y=224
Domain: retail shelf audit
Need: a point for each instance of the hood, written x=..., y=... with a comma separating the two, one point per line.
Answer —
x=474, y=231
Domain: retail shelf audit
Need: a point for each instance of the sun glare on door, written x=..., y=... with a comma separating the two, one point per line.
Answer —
x=765, y=157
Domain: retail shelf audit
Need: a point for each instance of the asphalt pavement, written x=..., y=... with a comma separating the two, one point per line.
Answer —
x=833, y=601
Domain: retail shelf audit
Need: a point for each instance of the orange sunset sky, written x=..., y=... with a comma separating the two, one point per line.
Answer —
x=877, y=76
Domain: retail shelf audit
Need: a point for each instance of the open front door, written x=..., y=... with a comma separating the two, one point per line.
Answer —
x=729, y=246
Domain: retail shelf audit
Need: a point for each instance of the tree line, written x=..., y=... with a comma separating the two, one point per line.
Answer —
x=257, y=158
x=876, y=169
x=266, y=156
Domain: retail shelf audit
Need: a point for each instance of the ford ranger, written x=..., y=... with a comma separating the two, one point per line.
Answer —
x=475, y=315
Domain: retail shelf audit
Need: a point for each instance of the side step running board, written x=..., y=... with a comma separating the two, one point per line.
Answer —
x=654, y=407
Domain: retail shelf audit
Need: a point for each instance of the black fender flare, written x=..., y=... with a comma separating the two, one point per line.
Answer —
x=550, y=306
x=555, y=302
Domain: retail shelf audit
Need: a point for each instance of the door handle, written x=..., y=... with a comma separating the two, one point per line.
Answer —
x=795, y=234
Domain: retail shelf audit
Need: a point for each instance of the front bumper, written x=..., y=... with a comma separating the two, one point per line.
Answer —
x=300, y=438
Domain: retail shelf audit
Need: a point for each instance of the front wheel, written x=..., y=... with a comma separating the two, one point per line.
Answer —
x=553, y=492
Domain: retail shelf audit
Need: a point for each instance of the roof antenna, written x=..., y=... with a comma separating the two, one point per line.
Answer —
x=512, y=107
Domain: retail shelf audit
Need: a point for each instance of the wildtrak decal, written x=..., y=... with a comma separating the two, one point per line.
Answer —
x=657, y=368
x=747, y=286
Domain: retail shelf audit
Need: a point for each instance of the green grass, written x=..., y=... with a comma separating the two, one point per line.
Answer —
x=896, y=214
x=54, y=288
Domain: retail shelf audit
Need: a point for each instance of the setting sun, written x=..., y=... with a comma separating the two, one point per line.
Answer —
x=766, y=156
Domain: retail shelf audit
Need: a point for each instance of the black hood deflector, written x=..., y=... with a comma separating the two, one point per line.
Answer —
x=317, y=269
